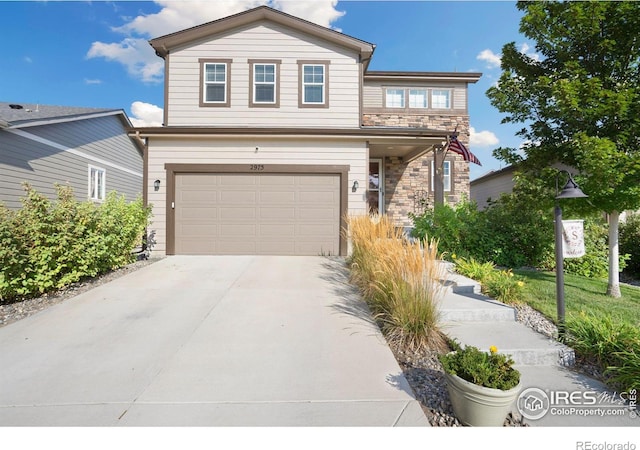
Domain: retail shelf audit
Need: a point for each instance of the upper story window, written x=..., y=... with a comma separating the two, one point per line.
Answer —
x=418, y=98
x=394, y=98
x=97, y=183
x=314, y=81
x=215, y=84
x=264, y=83
x=441, y=98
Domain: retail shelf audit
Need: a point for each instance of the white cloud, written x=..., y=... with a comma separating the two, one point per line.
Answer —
x=27, y=59
x=524, y=49
x=146, y=115
x=482, y=138
x=135, y=53
x=490, y=58
x=92, y=81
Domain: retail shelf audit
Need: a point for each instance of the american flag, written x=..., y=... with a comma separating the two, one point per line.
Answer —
x=458, y=147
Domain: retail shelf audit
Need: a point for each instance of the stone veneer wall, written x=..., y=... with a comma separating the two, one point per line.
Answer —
x=408, y=185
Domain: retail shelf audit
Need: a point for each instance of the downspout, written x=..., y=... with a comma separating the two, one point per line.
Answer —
x=144, y=146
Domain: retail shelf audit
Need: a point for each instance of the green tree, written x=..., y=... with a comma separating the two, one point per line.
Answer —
x=579, y=102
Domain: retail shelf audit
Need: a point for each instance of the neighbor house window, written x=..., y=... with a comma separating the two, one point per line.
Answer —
x=417, y=98
x=97, y=182
x=441, y=99
x=215, y=82
x=264, y=83
x=446, y=176
x=395, y=98
x=313, y=83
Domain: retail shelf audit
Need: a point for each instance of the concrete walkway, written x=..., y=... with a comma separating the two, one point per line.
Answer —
x=572, y=399
x=207, y=341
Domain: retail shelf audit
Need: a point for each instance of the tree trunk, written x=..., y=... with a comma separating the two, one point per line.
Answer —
x=613, y=288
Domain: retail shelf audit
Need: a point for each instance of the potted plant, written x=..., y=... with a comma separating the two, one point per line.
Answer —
x=482, y=385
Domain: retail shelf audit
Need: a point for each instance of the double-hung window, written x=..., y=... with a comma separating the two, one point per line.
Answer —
x=394, y=98
x=417, y=98
x=97, y=183
x=314, y=80
x=264, y=83
x=441, y=99
x=446, y=176
x=214, y=82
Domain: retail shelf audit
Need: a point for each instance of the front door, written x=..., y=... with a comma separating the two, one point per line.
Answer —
x=375, y=191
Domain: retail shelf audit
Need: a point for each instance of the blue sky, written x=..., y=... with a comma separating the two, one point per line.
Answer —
x=95, y=53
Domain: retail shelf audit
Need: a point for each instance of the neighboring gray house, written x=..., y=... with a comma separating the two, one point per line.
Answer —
x=491, y=185
x=87, y=148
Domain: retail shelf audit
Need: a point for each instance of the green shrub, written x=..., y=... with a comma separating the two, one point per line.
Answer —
x=47, y=245
x=609, y=342
x=629, y=240
x=500, y=285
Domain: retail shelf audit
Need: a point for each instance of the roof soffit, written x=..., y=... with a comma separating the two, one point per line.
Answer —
x=164, y=44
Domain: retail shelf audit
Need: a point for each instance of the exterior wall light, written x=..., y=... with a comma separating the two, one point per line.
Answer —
x=355, y=186
x=156, y=185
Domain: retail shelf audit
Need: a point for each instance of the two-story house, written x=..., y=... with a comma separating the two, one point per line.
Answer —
x=275, y=131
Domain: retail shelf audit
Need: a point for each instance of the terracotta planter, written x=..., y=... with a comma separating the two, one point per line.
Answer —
x=479, y=406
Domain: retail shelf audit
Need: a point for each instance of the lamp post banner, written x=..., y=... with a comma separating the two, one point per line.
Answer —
x=572, y=238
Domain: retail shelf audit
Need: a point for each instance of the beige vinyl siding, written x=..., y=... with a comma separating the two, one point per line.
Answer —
x=242, y=151
x=265, y=42
x=373, y=93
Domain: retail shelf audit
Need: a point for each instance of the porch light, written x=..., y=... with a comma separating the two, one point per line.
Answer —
x=156, y=185
x=355, y=186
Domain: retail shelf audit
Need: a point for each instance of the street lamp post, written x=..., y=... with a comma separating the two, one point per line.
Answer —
x=570, y=190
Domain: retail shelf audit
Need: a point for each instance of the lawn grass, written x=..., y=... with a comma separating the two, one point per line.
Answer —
x=581, y=294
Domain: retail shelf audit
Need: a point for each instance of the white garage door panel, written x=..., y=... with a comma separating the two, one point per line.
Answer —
x=276, y=214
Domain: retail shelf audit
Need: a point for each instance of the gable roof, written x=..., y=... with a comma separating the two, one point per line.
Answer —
x=164, y=44
x=18, y=115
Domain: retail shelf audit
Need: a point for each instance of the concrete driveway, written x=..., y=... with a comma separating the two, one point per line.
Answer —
x=207, y=341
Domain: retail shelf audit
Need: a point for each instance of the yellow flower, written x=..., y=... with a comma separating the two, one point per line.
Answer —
x=520, y=283
x=493, y=349
x=453, y=256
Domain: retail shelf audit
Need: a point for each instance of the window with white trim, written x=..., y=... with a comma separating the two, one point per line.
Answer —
x=417, y=98
x=394, y=98
x=313, y=84
x=446, y=176
x=264, y=83
x=441, y=99
x=215, y=83
x=97, y=183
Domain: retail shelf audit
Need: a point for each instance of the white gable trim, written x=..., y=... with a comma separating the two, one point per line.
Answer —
x=73, y=151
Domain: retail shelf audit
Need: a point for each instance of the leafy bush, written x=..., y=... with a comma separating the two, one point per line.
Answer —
x=459, y=229
x=47, y=245
x=629, y=242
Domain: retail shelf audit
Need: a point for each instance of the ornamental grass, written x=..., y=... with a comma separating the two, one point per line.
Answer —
x=402, y=282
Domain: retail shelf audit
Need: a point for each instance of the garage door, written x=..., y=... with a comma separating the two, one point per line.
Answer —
x=251, y=214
